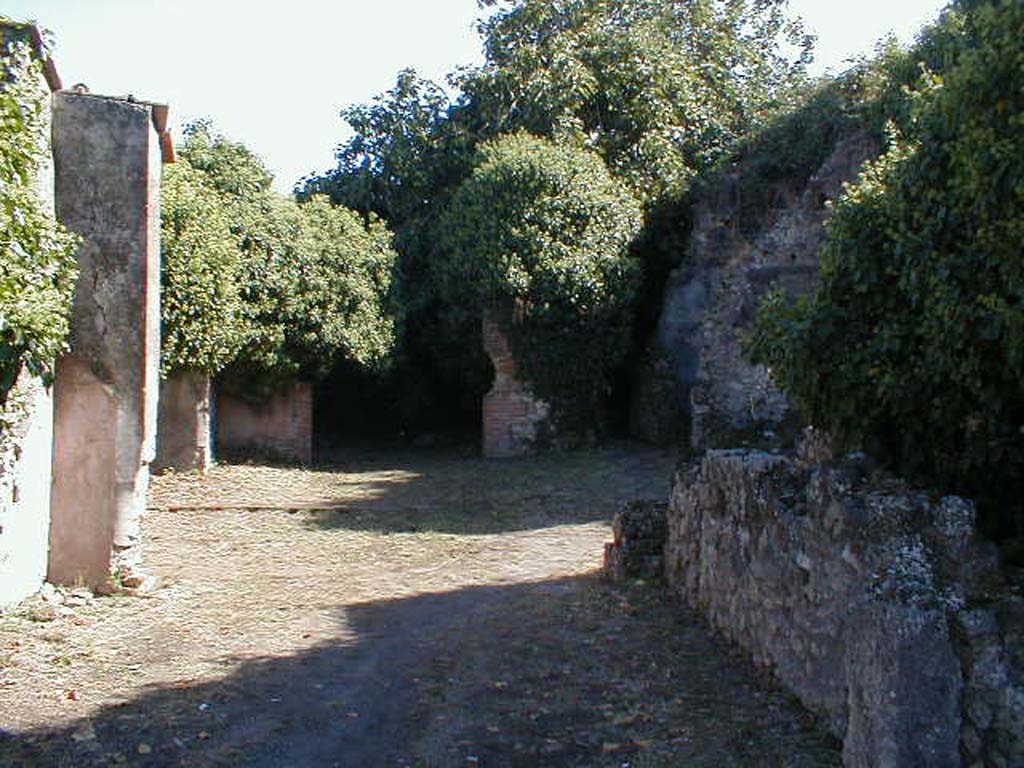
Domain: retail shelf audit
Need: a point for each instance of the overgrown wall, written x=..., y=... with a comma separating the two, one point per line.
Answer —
x=879, y=607
x=736, y=256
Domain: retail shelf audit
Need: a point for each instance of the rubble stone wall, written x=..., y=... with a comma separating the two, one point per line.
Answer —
x=711, y=302
x=881, y=608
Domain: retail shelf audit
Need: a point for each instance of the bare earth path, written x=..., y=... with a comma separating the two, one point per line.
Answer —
x=418, y=610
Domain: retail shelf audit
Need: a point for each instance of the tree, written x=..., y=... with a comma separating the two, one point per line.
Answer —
x=660, y=88
x=914, y=345
x=204, y=321
x=545, y=226
x=310, y=283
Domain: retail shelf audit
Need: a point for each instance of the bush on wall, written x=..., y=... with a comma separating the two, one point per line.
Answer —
x=37, y=264
x=914, y=345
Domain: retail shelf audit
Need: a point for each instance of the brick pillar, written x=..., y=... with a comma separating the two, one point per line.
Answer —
x=107, y=156
x=183, y=440
x=511, y=414
x=281, y=426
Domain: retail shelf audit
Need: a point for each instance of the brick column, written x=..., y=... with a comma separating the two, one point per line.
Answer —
x=511, y=414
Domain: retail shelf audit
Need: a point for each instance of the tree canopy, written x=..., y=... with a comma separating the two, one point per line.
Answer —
x=545, y=226
x=262, y=286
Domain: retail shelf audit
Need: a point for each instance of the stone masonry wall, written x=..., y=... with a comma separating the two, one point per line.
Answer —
x=107, y=158
x=711, y=302
x=25, y=451
x=281, y=426
x=879, y=607
x=512, y=416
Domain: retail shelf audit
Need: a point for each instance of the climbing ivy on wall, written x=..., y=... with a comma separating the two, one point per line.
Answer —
x=37, y=265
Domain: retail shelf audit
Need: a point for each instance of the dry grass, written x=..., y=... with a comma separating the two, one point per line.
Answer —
x=300, y=606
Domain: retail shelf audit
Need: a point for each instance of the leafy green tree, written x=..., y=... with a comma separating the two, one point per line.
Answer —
x=660, y=88
x=37, y=265
x=203, y=318
x=544, y=226
x=313, y=281
x=914, y=345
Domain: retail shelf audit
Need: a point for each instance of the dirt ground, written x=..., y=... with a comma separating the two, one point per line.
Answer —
x=389, y=610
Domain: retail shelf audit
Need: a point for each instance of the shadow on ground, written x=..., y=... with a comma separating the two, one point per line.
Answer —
x=570, y=672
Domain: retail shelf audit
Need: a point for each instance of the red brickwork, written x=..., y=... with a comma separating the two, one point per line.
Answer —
x=511, y=414
x=281, y=426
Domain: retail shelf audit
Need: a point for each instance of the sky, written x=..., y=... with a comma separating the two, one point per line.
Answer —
x=277, y=79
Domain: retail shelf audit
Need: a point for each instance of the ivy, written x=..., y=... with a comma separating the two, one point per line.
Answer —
x=37, y=264
x=914, y=345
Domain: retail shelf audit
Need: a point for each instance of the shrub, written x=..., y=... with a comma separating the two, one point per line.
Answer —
x=544, y=226
x=914, y=345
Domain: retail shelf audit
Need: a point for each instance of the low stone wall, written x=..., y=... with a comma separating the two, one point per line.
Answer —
x=879, y=607
x=183, y=436
x=25, y=455
x=281, y=426
x=638, y=550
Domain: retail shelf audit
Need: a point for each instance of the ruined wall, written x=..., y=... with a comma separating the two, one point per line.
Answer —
x=712, y=300
x=107, y=156
x=26, y=442
x=512, y=416
x=879, y=607
x=184, y=440
x=25, y=451
x=281, y=426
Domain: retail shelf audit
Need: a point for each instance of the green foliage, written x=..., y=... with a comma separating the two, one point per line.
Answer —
x=37, y=265
x=661, y=89
x=914, y=345
x=203, y=317
x=316, y=282
x=544, y=226
x=305, y=286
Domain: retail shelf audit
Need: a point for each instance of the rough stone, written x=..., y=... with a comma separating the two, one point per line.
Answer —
x=880, y=607
x=711, y=302
x=637, y=552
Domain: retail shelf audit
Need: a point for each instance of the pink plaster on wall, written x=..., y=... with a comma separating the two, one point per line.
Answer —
x=281, y=425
